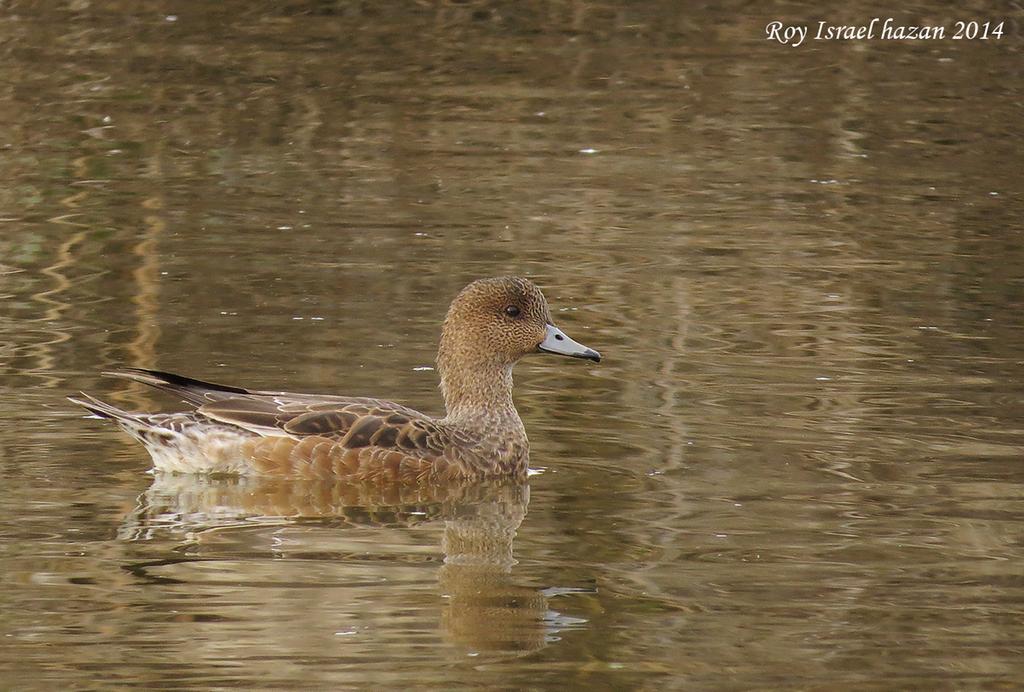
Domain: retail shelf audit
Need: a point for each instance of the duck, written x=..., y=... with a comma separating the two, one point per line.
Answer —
x=490, y=325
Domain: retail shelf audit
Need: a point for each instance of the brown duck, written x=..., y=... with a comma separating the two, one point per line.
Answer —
x=490, y=325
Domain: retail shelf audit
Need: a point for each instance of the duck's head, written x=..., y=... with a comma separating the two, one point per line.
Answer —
x=498, y=321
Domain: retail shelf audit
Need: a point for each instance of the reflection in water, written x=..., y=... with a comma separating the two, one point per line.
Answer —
x=486, y=610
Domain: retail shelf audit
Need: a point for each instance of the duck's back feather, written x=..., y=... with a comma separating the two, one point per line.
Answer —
x=353, y=423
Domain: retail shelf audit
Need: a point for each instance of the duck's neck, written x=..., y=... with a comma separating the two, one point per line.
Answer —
x=477, y=391
x=478, y=398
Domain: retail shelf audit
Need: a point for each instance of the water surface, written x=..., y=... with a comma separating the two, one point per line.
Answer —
x=799, y=464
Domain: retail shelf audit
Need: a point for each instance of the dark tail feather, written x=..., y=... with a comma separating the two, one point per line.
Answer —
x=103, y=409
x=194, y=391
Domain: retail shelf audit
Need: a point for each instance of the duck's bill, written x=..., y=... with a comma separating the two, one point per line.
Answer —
x=555, y=341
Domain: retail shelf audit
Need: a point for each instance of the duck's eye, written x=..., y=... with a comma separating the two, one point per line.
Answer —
x=512, y=311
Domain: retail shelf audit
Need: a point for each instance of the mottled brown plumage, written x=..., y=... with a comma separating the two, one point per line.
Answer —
x=490, y=325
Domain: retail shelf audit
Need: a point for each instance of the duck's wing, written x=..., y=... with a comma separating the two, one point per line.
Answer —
x=193, y=391
x=351, y=426
x=198, y=392
x=352, y=422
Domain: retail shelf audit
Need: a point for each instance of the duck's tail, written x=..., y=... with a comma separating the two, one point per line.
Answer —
x=160, y=433
x=135, y=424
x=105, y=410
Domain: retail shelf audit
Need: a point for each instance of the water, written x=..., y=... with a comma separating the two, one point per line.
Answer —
x=799, y=464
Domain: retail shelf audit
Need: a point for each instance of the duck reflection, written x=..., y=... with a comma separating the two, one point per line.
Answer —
x=484, y=610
